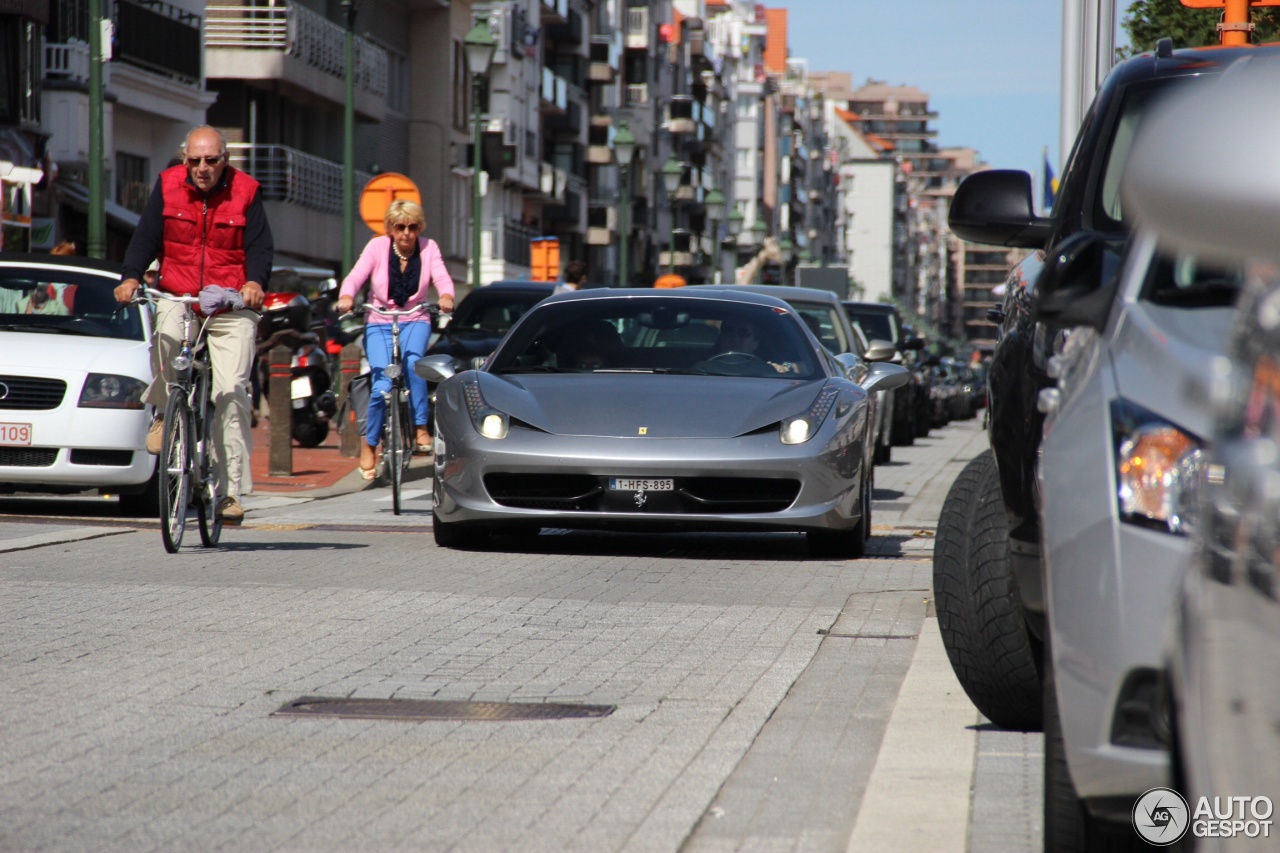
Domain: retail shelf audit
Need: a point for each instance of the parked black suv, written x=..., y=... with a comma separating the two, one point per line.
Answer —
x=882, y=321
x=988, y=573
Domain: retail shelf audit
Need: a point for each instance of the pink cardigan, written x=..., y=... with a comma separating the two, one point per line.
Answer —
x=374, y=265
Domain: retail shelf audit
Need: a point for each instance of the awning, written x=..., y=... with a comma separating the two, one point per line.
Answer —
x=18, y=161
x=77, y=196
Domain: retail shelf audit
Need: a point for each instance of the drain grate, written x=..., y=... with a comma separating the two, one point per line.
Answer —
x=429, y=709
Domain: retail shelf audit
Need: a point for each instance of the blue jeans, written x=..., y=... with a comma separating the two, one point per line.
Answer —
x=414, y=336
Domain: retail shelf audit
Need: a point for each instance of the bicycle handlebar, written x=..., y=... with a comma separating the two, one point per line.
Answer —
x=429, y=307
x=150, y=294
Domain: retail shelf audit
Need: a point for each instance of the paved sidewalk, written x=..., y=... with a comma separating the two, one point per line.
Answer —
x=317, y=472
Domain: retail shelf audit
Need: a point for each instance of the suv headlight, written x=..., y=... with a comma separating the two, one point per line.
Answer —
x=488, y=421
x=1159, y=468
x=109, y=391
x=800, y=428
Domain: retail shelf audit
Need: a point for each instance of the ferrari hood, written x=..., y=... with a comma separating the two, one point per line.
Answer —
x=654, y=405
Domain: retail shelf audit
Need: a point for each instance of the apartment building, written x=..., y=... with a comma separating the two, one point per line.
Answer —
x=154, y=92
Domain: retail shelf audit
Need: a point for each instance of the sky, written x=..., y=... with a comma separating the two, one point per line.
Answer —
x=991, y=67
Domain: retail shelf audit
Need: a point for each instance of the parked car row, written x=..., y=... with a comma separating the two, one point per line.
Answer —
x=1061, y=553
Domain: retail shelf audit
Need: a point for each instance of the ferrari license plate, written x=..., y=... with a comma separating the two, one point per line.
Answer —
x=631, y=484
x=15, y=435
x=300, y=387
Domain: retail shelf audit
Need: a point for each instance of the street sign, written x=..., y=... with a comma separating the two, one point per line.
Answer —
x=378, y=195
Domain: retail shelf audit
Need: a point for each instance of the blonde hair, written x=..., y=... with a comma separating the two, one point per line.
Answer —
x=403, y=210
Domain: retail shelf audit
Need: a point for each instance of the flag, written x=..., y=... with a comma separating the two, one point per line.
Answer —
x=1050, y=184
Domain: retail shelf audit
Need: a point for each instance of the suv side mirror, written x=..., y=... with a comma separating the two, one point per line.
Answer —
x=995, y=207
x=434, y=368
x=880, y=351
x=1077, y=285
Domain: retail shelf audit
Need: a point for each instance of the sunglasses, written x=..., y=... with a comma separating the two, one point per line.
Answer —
x=193, y=162
x=406, y=226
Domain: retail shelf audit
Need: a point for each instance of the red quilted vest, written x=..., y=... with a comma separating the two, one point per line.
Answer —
x=203, y=238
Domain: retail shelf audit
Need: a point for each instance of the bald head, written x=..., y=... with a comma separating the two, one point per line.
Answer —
x=205, y=154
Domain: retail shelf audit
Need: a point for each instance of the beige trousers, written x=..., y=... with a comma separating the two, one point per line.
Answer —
x=231, y=345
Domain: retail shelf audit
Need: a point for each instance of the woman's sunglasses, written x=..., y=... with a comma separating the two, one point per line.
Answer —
x=406, y=226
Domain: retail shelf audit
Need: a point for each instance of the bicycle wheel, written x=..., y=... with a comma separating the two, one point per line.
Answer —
x=393, y=449
x=175, y=472
x=206, y=496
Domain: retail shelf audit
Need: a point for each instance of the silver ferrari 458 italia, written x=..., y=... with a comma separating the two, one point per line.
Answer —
x=656, y=409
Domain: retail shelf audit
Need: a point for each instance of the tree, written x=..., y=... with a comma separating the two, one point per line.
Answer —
x=1147, y=21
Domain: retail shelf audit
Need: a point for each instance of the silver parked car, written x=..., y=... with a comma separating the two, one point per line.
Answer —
x=1224, y=662
x=698, y=408
x=1119, y=470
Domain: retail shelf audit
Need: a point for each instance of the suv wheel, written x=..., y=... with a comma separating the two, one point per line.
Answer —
x=984, y=627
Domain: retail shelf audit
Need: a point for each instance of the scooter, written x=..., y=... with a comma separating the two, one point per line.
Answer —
x=285, y=321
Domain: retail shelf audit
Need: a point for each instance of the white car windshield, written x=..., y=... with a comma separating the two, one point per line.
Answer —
x=64, y=301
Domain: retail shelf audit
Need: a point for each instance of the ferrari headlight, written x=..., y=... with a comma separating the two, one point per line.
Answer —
x=108, y=391
x=800, y=428
x=1159, y=468
x=488, y=421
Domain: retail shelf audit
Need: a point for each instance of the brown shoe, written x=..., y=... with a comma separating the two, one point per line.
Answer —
x=230, y=511
x=155, y=436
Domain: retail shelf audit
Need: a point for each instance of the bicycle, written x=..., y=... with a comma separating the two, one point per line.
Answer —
x=185, y=459
x=398, y=426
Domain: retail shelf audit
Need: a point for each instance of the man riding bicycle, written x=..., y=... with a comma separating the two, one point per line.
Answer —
x=206, y=225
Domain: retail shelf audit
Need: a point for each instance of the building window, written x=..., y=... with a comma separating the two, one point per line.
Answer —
x=133, y=181
x=460, y=105
x=397, y=82
x=19, y=71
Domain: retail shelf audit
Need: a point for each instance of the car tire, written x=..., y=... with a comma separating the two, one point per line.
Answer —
x=845, y=544
x=452, y=535
x=1068, y=826
x=143, y=504
x=980, y=615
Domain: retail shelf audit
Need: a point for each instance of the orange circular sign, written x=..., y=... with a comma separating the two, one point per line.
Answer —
x=378, y=195
x=670, y=280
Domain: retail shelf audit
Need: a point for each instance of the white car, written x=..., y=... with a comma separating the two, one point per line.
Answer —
x=74, y=366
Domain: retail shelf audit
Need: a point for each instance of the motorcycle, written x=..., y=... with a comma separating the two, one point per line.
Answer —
x=286, y=320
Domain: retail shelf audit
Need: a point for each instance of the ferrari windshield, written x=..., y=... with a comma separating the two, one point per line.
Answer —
x=657, y=335
x=494, y=310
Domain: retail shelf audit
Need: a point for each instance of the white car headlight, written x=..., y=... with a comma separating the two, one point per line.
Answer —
x=800, y=428
x=1159, y=469
x=488, y=421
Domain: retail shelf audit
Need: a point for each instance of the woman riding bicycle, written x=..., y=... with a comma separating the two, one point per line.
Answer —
x=402, y=268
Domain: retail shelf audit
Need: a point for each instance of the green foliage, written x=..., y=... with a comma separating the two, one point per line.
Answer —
x=1148, y=21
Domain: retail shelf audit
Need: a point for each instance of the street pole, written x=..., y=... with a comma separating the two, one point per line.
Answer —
x=475, y=183
x=97, y=232
x=624, y=228
x=671, y=239
x=349, y=142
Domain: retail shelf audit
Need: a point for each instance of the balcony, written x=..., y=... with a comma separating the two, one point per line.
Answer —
x=635, y=33
x=160, y=38
x=70, y=62
x=603, y=65
x=635, y=95
x=564, y=124
x=297, y=47
x=602, y=222
x=302, y=194
x=554, y=92
x=680, y=115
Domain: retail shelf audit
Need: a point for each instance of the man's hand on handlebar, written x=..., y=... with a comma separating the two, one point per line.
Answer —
x=125, y=290
x=253, y=295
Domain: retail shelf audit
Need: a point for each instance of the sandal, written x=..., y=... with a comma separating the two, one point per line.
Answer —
x=368, y=473
x=422, y=448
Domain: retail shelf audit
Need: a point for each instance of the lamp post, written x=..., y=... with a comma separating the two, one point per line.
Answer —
x=672, y=171
x=759, y=231
x=785, y=248
x=479, y=46
x=624, y=148
x=714, y=203
x=349, y=139
x=734, y=224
